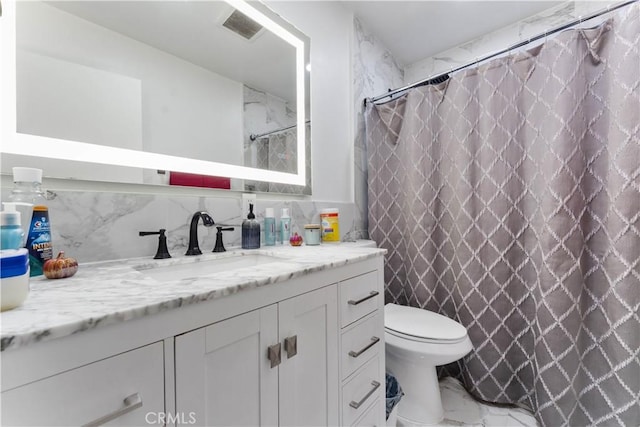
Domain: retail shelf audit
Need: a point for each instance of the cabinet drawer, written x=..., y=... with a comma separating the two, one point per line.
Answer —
x=86, y=394
x=359, y=296
x=359, y=393
x=372, y=417
x=361, y=342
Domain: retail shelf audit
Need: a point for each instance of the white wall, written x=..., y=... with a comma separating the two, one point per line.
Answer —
x=330, y=28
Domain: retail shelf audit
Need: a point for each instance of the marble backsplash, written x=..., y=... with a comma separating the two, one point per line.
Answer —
x=100, y=226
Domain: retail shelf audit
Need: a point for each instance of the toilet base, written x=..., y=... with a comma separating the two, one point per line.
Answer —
x=404, y=422
x=421, y=404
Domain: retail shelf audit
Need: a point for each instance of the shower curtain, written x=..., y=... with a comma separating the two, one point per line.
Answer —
x=508, y=198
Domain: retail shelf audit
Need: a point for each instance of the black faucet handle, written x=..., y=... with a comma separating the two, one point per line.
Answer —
x=219, y=244
x=163, y=251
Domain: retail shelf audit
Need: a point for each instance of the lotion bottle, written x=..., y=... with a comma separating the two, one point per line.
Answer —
x=11, y=233
x=285, y=225
x=269, y=227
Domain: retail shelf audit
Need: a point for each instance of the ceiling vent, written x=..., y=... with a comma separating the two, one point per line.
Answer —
x=241, y=24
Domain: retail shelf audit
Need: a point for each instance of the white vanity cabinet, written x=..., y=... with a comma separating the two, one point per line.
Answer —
x=215, y=362
x=273, y=366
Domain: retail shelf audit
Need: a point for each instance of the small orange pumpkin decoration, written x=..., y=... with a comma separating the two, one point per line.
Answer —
x=60, y=267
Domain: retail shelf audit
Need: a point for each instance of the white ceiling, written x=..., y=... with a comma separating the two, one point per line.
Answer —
x=414, y=30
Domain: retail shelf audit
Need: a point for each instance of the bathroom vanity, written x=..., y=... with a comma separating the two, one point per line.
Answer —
x=283, y=336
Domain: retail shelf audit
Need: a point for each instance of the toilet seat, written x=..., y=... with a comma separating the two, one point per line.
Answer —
x=423, y=340
x=419, y=325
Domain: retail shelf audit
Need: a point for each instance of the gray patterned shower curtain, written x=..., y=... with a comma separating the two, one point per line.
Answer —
x=508, y=198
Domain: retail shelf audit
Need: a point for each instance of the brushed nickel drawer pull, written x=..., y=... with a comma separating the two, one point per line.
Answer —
x=273, y=354
x=356, y=405
x=291, y=346
x=131, y=403
x=373, y=342
x=371, y=295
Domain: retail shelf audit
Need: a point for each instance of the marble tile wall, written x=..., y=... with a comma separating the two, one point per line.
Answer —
x=100, y=226
x=374, y=70
x=501, y=39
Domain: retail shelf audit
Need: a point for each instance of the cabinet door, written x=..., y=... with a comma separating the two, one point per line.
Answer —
x=223, y=376
x=309, y=379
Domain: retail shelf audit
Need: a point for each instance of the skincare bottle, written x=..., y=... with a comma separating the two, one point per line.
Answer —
x=250, y=231
x=30, y=202
x=11, y=233
x=269, y=227
x=285, y=225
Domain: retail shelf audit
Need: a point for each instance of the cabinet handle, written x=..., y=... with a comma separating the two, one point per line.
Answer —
x=131, y=403
x=356, y=405
x=273, y=354
x=373, y=342
x=291, y=346
x=371, y=295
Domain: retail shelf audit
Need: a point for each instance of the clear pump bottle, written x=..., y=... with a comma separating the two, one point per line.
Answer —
x=30, y=201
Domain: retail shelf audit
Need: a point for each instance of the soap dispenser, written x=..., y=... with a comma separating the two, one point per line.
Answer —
x=250, y=231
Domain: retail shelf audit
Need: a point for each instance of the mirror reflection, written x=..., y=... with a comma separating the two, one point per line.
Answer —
x=194, y=79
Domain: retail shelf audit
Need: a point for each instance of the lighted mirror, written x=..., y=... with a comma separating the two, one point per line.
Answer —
x=157, y=92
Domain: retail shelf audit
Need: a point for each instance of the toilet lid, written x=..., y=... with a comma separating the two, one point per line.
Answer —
x=419, y=323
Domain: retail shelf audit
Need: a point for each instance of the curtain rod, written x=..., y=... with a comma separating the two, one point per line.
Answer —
x=439, y=78
x=253, y=137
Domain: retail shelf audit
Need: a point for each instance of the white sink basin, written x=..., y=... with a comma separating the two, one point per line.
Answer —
x=206, y=268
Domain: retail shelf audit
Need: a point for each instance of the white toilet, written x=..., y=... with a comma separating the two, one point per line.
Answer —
x=416, y=342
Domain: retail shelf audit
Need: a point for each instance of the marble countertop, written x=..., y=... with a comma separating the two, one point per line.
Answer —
x=105, y=293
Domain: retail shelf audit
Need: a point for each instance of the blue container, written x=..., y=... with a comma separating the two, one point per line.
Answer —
x=14, y=277
x=269, y=227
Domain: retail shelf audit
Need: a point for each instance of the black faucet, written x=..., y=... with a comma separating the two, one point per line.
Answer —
x=162, y=251
x=207, y=221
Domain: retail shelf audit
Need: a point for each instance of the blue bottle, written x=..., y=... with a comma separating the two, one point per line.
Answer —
x=269, y=227
x=11, y=233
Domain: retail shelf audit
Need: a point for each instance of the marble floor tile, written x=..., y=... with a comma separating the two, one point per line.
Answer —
x=460, y=409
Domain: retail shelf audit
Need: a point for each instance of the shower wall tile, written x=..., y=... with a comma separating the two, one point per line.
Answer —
x=500, y=39
x=374, y=70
